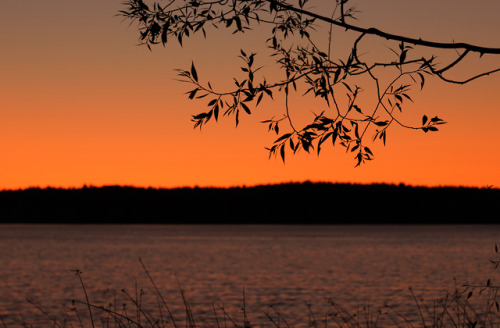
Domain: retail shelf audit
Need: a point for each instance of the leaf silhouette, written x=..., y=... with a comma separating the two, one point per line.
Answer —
x=193, y=72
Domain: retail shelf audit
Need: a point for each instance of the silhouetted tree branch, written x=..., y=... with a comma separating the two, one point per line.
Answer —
x=394, y=37
x=308, y=64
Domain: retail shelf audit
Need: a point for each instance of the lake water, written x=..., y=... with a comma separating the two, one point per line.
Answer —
x=285, y=267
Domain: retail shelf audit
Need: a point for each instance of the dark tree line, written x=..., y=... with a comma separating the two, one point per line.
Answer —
x=298, y=203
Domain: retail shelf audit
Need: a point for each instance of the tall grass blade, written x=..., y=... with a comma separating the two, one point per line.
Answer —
x=44, y=312
x=158, y=293
x=79, y=274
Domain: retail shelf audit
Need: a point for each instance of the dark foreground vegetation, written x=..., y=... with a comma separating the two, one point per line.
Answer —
x=468, y=306
x=294, y=203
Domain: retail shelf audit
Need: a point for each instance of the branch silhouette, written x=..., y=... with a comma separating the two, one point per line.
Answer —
x=389, y=36
x=306, y=61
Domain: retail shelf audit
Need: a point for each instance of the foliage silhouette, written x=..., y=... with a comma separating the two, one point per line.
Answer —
x=307, y=64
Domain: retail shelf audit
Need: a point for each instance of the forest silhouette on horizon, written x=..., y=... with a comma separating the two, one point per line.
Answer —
x=288, y=203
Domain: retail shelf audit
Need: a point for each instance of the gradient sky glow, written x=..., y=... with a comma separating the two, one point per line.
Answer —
x=80, y=103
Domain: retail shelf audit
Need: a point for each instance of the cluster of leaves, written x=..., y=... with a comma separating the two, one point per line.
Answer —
x=305, y=64
x=231, y=103
x=182, y=19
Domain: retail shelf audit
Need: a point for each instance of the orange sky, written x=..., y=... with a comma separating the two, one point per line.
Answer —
x=81, y=104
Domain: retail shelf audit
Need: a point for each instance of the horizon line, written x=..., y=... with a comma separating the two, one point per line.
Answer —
x=242, y=186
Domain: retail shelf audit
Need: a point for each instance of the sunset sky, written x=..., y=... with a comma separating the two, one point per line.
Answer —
x=81, y=103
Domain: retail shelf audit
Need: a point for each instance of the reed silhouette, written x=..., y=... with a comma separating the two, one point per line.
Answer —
x=459, y=308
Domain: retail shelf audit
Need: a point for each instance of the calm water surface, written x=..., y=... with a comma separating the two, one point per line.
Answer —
x=280, y=266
